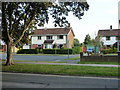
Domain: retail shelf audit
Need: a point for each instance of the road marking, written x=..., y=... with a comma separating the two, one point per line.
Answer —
x=65, y=76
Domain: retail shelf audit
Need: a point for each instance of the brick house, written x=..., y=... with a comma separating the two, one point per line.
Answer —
x=109, y=37
x=52, y=38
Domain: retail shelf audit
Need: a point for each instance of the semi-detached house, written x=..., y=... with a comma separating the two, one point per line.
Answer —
x=109, y=37
x=52, y=38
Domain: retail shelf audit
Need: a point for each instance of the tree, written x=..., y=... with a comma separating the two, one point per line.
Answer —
x=87, y=39
x=76, y=42
x=97, y=42
x=20, y=18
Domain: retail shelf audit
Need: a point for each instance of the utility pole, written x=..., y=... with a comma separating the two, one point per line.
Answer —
x=55, y=48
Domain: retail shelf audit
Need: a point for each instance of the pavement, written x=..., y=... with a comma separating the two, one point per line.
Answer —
x=98, y=65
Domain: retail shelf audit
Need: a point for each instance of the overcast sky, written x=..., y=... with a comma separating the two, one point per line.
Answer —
x=101, y=14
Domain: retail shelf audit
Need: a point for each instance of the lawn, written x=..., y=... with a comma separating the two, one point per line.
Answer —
x=74, y=58
x=61, y=69
x=36, y=61
x=92, y=62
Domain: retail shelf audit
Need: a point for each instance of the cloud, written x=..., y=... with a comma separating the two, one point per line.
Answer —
x=113, y=11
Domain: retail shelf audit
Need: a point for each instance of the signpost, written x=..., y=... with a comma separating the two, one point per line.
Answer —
x=68, y=48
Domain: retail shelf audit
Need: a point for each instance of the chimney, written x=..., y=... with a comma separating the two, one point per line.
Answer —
x=45, y=28
x=110, y=26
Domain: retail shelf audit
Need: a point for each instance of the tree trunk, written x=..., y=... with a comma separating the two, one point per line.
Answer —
x=9, y=54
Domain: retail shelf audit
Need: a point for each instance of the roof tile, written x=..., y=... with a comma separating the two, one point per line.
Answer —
x=109, y=32
x=51, y=31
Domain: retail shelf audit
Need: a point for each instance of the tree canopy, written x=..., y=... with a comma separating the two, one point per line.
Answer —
x=20, y=18
x=87, y=39
x=76, y=42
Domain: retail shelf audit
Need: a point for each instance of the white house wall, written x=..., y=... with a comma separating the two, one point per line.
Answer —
x=36, y=41
x=26, y=47
x=109, y=42
x=43, y=38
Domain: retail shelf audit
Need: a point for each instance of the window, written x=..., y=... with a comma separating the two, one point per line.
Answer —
x=108, y=46
x=60, y=37
x=107, y=37
x=39, y=45
x=39, y=37
x=49, y=37
x=1, y=47
x=60, y=46
x=116, y=37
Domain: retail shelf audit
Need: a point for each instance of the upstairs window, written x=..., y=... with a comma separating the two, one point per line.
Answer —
x=117, y=38
x=39, y=37
x=60, y=37
x=49, y=37
x=107, y=37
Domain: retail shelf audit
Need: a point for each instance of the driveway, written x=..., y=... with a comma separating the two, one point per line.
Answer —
x=42, y=58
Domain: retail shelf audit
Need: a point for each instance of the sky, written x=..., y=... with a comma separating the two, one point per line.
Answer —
x=101, y=14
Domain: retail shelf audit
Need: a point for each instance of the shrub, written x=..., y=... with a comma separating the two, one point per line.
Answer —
x=27, y=51
x=108, y=51
x=76, y=50
x=39, y=50
x=58, y=51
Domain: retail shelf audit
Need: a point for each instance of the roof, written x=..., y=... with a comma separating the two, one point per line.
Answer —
x=48, y=41
x=52, y=31
x=109, y=32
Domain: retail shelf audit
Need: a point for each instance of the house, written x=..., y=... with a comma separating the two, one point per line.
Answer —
x=3, y=47
x=52, y=38
x=109, y=37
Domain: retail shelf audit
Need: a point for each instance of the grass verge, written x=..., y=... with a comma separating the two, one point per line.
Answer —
x=61, y=69
x=92, y=62
x=74, y=58
x=37, y=61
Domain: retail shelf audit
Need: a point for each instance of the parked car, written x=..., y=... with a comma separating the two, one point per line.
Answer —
x=90, y=50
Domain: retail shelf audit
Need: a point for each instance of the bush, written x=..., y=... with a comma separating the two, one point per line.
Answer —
x=76, y=50
x=108, y=51
x=39, y=50
x=58, y=51
x=27, y=51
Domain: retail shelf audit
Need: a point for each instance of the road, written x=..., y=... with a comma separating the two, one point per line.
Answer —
x=41, y=58
x=20, y=80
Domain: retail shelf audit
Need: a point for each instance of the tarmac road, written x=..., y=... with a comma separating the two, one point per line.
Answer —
x=22, y=80
x=41, y=58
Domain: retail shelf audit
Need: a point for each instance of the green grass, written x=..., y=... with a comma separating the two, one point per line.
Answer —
x=37, y=61
x=74, y=58
x=61, y=69
x=92, y=62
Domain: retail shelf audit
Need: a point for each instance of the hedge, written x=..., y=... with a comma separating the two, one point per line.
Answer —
x=58, y=51
x=27, y=51
x=108, y=51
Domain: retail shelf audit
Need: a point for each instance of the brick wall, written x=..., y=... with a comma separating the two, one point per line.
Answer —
x=70, y=37
x=34, y=46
